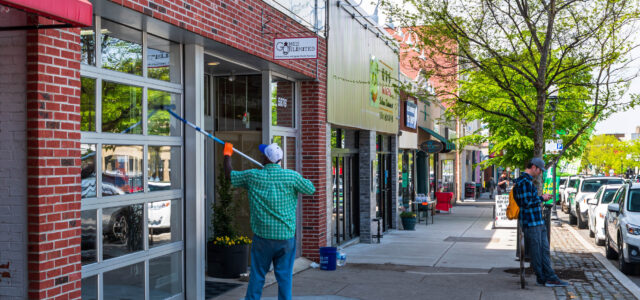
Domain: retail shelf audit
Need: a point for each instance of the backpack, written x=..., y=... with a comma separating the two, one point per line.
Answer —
x=513, y=210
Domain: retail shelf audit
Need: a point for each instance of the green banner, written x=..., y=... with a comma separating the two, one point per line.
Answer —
x=548, y=185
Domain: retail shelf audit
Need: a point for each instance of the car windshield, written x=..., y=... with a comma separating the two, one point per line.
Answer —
x=634, y=200
x=592, y=185
x=608, y=195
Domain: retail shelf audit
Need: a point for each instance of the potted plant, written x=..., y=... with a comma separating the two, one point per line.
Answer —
x=408, y=220
x=227, y=251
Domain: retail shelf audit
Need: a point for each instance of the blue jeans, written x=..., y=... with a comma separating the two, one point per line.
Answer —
x=538, y=245
x=265, y=251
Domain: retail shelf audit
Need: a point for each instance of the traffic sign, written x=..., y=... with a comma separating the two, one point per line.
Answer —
x=553, y=146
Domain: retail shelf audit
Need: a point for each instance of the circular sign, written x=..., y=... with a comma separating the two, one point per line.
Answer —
x=432, y=146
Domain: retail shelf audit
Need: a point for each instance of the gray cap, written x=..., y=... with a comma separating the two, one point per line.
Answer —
x=538, y=162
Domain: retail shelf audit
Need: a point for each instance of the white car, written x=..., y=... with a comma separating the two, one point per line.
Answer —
x=598, y=211
x=622, y=227
x=568, y=189
x=586, y=188
x=561, y=187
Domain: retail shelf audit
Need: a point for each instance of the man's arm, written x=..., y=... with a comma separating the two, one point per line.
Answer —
x=304, y=185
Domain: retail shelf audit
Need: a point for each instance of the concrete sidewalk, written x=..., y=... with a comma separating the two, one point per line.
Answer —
x=460, y=256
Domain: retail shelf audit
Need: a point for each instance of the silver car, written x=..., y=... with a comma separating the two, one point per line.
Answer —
x=622, y=227
x=586, y=188
x=598, y=211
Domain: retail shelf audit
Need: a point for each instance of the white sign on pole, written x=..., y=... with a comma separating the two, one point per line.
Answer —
x=295, y=48
x=501, y=220
x=553, y=146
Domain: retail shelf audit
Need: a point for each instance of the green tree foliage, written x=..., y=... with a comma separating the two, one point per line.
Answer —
x=512, y=54
x=606, y=152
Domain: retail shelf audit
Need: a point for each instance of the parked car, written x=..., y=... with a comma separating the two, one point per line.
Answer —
x=598, y=211
x=561, y=186
x=622, y=227
x=568, y=189
x=586, y=188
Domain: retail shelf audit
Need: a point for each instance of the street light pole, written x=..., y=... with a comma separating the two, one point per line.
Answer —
x=553, y=101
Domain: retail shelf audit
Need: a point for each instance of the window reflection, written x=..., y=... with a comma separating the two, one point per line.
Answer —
x=163, y=59
x=164, y=222
x=282, y=103
x=88, y=240
x=165, y=276
x=90, y=288
x=290, y=153
x=239, y=103
x=88, y=46
x=88, y=170
x=121, y=169
x=121, y=230
x=124, y=283
x=121, y=48
x=159, y=120
x=87, y=104
x=121, y=108
x=164, y=168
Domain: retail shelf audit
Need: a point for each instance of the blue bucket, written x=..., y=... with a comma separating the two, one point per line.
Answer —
x=328, y=258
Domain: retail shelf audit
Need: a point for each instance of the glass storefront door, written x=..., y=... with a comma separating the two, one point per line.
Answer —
x=345, y=205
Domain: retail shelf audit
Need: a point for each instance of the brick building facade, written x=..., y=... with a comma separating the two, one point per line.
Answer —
x=82, y=141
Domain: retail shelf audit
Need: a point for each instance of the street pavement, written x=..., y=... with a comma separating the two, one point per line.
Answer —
x=460, y=256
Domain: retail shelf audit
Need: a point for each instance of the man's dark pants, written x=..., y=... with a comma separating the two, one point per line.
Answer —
x=538, y=246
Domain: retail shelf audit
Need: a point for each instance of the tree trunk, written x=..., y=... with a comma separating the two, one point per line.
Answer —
x=538, y=135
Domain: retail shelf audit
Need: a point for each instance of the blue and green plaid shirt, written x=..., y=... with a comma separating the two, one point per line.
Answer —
x=273, y=198
x=526, y=195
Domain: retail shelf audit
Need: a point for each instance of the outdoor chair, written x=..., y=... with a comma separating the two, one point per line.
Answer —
x=443, y=201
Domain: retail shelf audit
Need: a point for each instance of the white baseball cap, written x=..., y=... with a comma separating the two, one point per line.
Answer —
x=272, y=152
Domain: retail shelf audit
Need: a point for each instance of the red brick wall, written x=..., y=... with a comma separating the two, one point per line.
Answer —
x=53, y=163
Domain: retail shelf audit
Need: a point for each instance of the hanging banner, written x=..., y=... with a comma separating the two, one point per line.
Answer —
x=382, y=95
x=548, y=185
x=295, y=48
x=411, y=109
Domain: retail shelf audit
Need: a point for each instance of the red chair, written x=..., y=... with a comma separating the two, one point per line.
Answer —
x=443, y=201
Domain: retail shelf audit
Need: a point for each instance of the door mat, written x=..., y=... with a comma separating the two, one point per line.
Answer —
x=216, y=288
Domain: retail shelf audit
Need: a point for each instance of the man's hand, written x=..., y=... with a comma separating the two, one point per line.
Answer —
x=546, y=197
x=228, y=149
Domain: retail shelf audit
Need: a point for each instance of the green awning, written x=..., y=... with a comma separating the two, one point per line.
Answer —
x=449, y=146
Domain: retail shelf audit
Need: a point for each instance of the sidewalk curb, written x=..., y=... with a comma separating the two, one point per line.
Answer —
x=623, y=279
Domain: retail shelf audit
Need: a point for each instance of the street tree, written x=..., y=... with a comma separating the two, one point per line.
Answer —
x=605, y=152
x=523, y=51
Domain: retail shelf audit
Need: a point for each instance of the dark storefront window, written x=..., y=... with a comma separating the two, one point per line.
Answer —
x=282, y=103
x=163, y=59
x=239, y=103
x=87, y=104
x=88, y=46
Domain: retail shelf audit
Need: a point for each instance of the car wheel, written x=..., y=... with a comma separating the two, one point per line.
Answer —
x=599, y=242
x=581, y=223
x=572, y=219
x=624, y=267
x=120, y=229
x=564, y=207
x=609, y=252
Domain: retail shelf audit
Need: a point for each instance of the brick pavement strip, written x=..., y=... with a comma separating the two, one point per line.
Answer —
x=568, y=256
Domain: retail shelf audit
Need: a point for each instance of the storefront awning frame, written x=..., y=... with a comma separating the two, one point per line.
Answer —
x=449, y=146
x=70, y=13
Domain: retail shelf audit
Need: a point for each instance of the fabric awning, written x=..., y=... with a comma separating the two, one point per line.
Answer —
x=71, y=13
x=448, y=146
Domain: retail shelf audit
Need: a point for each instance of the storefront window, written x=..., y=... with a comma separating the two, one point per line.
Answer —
x=121, y=108
x=447, y=175
x=121, y=230
x=89, y=236
x=163, y=61
x=121, y=170
x=121, y=48
x=88, y=46
x=87, y=104
x=124, y=283
x=165, y=275
x=159, y=121
x=88, y=170
x=164, y=168
x=282, y=103
x=239, y=103
x=290, y=153
x=165, y=222
x=90, y=288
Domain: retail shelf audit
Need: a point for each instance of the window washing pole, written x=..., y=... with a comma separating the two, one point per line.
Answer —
x=209, y=135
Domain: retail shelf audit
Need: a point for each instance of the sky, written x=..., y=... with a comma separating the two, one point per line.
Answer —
x=622, y=122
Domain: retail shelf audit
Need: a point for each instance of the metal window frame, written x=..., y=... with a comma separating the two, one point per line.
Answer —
x=98, y=138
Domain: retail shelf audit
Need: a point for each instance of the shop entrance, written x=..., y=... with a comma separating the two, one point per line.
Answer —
x=346, y=215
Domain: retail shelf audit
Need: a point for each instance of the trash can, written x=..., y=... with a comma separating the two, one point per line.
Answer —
x=328, y=258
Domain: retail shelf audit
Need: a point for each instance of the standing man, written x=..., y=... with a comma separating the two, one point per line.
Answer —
x=533, y=228
x=491, y=186
x=273, y=197
x=503, y=183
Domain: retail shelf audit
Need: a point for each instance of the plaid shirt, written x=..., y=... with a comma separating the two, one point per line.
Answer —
x=526, y=195
x=273, y=197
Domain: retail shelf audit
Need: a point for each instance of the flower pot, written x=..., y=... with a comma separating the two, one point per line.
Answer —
x=409, y=223
x=227, y=261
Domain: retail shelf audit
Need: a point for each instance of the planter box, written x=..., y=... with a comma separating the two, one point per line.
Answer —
x=227, y=261
x=409, y=223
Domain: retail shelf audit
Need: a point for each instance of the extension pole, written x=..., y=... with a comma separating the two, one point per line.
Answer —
x=209, y=135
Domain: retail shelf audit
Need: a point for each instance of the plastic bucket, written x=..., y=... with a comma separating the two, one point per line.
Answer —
x=328, y=258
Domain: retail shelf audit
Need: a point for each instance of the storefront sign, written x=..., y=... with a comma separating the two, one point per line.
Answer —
x=381, y=91
x=295, y=48
x=411, y=109
x=432, y=146
x=501, y=220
